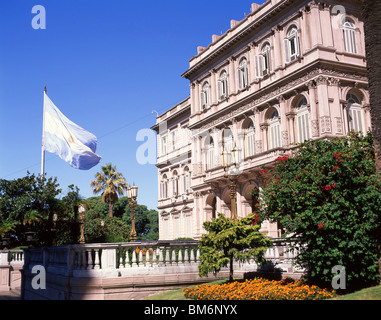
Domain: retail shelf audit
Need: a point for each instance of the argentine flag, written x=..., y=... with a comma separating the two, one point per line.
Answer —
x=69, y=141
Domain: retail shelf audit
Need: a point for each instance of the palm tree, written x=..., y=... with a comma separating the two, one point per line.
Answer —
x=31, y=217
x=372, y=27
x=110, y=183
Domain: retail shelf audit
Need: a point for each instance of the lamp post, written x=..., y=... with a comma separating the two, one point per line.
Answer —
x=82, y=212
x=232, y=172
x=132, y=194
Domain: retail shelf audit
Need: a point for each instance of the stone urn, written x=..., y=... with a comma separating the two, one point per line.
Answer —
x=4, y=243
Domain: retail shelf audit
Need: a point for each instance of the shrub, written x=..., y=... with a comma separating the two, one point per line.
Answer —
x=327, y=196
x=227, y=240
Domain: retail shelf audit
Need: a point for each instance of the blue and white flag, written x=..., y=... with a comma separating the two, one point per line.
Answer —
x=69, y=141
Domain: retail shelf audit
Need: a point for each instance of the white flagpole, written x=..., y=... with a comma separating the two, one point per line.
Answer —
x=43, y=138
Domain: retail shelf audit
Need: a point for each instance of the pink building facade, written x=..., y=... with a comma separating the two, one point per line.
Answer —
x=290, y=71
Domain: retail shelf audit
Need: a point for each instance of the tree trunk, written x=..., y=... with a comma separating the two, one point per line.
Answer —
x=231, y=268
x=372, y=27
x=110, y=206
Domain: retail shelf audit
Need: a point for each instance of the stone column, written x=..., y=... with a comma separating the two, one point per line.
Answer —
x=283, y=121
x=316, y=35
x=258, y=132
x=278, y=49
x=314, y=114
x=325, y=117
x=264, y=126
x=232, y=83
x=306, y=34
x=337, y=114
x=291, y=126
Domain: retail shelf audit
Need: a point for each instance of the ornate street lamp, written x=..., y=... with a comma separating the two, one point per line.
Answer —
x=132, y=194
x=82, y=213
x=232, y=172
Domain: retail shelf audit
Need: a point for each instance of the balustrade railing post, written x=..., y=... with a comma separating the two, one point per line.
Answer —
x=154, y=257
x=97, y=260
x=127, y=260
x=141, y=261
x=83, y=259
x=192, y=256
x=167, y=260
x=186, y=256
x=161, y=262
x=134, y=264
x=121, y=266
x=89, y=259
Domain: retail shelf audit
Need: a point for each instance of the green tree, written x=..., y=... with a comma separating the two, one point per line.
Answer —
x=146, y=222
x=20, y=197
x=99, y=229
x=30, y=203
x=110, y=183
x=371, y=13
x=326, y=195
x=66, y=226
x=227, y=240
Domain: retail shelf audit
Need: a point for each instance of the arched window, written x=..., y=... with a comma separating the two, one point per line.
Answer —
x=175, y=184
x=228, y=143
x=186, y=181
x=291, y=44
x=205, y=96
x=242, y=74
x=209, y=148
x=355, y=119
x=163, y=142
x=349, y=32
x=303, y=120
x=274, y=130
x=165, y=226
x=164, y=187
x=249, y=139
x=222, y=86
x=262, y=61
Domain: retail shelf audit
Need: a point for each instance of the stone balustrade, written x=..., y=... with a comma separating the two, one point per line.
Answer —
x=11, y=257
x=138, y=258
x=11, y=261
x=133, y=270
x=117, y=259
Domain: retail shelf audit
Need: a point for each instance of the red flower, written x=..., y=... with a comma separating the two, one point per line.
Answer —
x=334, y=185
x=328, y=187
x=256, y=219
x=321, y=225
x=312, y=193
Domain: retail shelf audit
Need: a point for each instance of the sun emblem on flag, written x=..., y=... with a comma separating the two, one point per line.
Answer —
x=71, y=139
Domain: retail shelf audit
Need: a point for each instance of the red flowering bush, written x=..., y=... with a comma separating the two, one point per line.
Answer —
x=327, y=196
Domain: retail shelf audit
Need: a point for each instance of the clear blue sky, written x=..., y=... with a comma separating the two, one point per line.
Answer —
x=106, y=65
